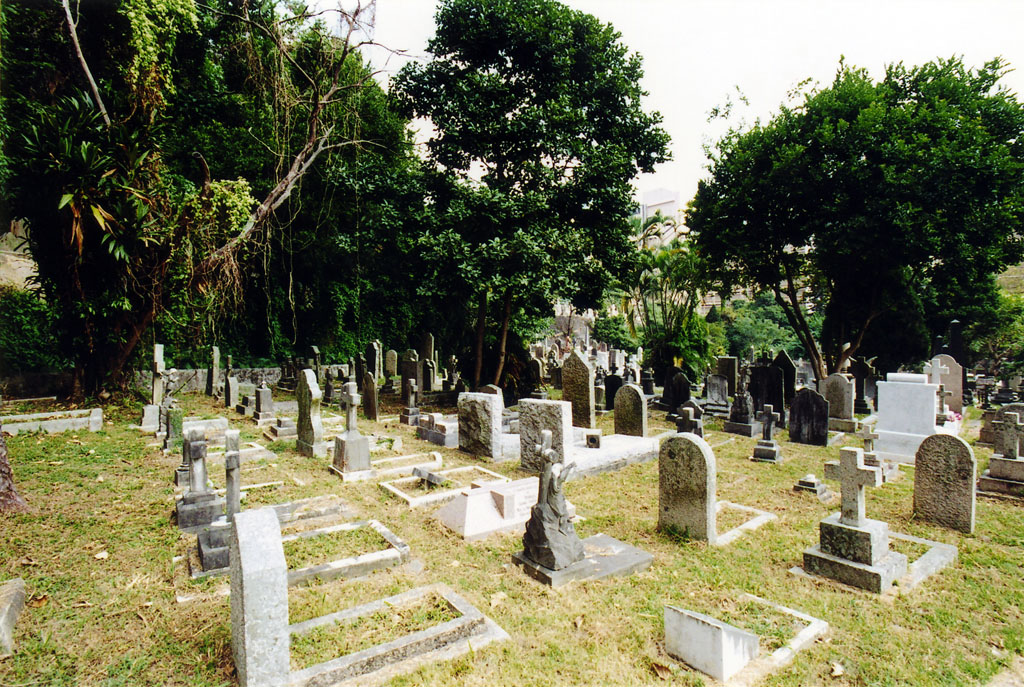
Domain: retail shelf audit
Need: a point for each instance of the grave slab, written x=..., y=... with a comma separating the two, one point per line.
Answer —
x=397, y=553
x=604, y=557
x=484, y=476
x=711, y=646
x=388, y=467
x=489, y=509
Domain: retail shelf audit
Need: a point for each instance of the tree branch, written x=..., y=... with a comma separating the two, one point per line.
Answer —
x=73, y=29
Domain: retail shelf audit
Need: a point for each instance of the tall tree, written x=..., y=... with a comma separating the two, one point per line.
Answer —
x=903, y=195
x=538, y=132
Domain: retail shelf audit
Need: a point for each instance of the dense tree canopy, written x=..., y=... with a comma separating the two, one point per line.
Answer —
x=901, y=196
x=539, y=131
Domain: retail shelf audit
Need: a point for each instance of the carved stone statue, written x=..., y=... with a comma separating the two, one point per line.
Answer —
x=550, y=538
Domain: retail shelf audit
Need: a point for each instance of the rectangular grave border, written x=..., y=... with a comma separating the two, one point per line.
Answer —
x=760, y=518
x=762, y=666
x=440, y=496
x=54, y=422
x=470, y=632
x=937, y=557
x=397, y=553
x=382, y=467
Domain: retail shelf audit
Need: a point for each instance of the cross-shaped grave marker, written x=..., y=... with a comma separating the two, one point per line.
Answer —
x=768, y=418
x=869, y=438
x=687, y=421
x=935, y=369
x=942, y=398
x=1009, y=429
x=350, y=398
x=410, y=396
x=853, y=476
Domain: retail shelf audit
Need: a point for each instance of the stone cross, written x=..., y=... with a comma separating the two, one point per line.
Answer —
x=869, y=438
x=197, y=466
x=942, y=398
x=545, y=446
x=410, y=397
x=350, y=398
x=935, y=369
x=1009, y=429
x=232, y=473
x=853, y=476
x=768, y=420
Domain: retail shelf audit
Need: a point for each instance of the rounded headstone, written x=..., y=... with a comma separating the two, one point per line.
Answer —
x=687, y=483
x=944, y=482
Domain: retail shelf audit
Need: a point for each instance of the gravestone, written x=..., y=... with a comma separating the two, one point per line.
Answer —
x=260, y=638
x=374, y=361
x=689, y=420
x=391, y=363
x=410, y=368
x=717, y=390
x=157, y=395
x=200, y=505
x=944, y=482
x=853, y=549
x=838, y=390
x=426, y=350
x=741, y=415
x=429, y=375
x=788, y=367
x=370, y=406
x=578, y=389
x=534, y=417
x=808, y=418
x=668, y=401
x=612, y=384
x=310, y=426
x=480, y=424
x=767, y=449
x=231, y=392
x=647, y=382
x=630, y=411
x=952, y=381
x=351, y=449
x=728, y=367
x=861, y=371
x=767, y=387
x=687, y=483
x=213, y=373
x=264, y=404
x=410, y=393
x=1005, y=473
x=535, y=371
x=677, y=392
x=906, y=415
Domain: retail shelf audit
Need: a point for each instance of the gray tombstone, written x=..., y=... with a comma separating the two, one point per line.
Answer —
x=429, y=375
x=427, y=347
x=944, y=482
x=391, y=363
x=630, y=411
x=862, y=371
x=213, y=374
x=157, y=395
x=231, y=392
x=728, y=367
x=717, y=390
x=310, y=426
x=264, y=403
x=374, y=360
x=351, y=449
x=578, y=389
x=260, y=638
x=480, y=424
x=838, y=390
x=410, y=368
x=534, y=417
x=952, y=381
x=370, y=404
x=687, y=484
x=808, y=418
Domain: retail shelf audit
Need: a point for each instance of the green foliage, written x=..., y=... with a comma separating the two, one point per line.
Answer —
x=27, y=339
x=761, y=323
x=1000, y=338
x=612, y=330
x=871, y=198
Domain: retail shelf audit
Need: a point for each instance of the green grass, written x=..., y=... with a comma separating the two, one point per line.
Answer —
x=323, y=548
x=115, y=620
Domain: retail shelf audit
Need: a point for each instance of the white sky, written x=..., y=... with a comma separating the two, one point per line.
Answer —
x=695, y=52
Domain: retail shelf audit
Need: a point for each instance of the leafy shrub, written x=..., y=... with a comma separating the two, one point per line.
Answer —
x=28, y=341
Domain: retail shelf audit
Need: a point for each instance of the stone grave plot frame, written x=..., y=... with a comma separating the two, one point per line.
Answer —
x=90, y=419
x=760, y=517
x=261, y=637
x=299, y=513
x=441, y=495
x=438, y=430
x=723, y=651
x=394, y=466
x=479, y=512
x=396, y=553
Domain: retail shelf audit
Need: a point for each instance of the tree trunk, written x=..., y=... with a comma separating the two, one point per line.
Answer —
x=504, y=336
x=481, y=322
x=10, y=499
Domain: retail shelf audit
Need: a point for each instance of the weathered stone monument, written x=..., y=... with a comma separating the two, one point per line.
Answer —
x=371, y=408
x=808, y=418
x=838, y=390
x=862, y=371
x=767, y=449
x=612, y=384
x=1005, y=473
x=374, y=360
x=944, y=482
x=788, y=367
x=411, y=369
x=310, y=426
x=213, y=373
x=578, y=389
x=717, y=390
x=410, y=393
x=231, y=392
x=535, y=416
x=264, y=413
x=200, y=505
x=157, y=394
x=741, y=416
x=906, y=415
x=351, y=449
x=855, y=550
x=480, y=424
x=951, y=378
x=687, y=484
x=630, y=411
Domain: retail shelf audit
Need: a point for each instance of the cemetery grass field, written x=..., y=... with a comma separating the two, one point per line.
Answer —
x=98, y=557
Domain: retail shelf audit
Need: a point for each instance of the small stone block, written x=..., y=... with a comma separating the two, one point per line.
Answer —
x=999, y=485
x=767, y=451
x=1007, y=469
x=744, y=429
x=604, y=557
x=711, y=646
x=866, y=544
x=428, y=476
x=199, y=510
x=593, y=439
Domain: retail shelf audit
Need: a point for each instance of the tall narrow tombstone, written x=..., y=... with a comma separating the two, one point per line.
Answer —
x=231, y=392
x=374, y=360
x=410, y=413
x=410, y=368
x=480, y=424
x=630, y=411
x=767, y=387
x=854, y=549
x=232, y=474
x=808, y=418
x=157, y=395
x=426, y=350
x=687, y=486
x=534, y=417
x=788, y=367
x=351, y=449
x=728, y=367
x=944, y=482
x=391, y=363
x=578, y=389
x=227, y=370
x=952, y=381
x=310, y=426
x=370, y=405
x=260, y=638
x=314, y=361
x=861, y=371
x=429, y=375
x=767, y=449
x=677, y=391
x=213, y=373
